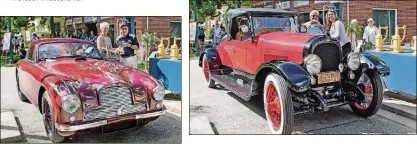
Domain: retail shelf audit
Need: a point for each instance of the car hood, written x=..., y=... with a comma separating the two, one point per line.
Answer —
x=94, y=71
x=284, y=44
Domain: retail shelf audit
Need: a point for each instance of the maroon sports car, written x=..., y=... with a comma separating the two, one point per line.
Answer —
x=78, y=91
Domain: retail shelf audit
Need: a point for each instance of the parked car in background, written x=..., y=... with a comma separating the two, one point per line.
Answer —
x=295, y=73
x=77, y=91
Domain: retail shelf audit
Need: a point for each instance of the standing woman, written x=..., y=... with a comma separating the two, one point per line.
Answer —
x=103, y=41
x=337, y=31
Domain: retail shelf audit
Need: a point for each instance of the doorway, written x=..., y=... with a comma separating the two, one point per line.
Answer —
x=91, y=27
x=385, y=17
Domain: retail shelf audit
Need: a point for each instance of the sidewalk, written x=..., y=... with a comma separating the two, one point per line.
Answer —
x=9, y=130
x=400, y=107
x=173, y=104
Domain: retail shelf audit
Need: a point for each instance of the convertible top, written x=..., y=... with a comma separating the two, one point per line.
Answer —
x=242, y=11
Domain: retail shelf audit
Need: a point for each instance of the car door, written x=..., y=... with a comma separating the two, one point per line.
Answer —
x=29, y=77
x=253, y=55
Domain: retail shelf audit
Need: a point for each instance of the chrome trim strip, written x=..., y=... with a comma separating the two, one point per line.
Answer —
x=147, y=115
x=80, y=127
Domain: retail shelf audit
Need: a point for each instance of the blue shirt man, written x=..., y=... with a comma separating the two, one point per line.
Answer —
x=128, y=44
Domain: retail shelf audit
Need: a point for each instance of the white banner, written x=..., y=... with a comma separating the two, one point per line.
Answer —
x=192, y=31
x=6, y=41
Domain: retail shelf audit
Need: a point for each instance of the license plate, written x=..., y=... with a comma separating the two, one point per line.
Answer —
x=328, y=77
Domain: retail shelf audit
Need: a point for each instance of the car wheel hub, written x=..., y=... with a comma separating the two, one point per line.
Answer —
x=368, y=89
x=273, y=106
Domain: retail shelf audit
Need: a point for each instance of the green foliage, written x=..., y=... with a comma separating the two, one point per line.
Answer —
x=206, y=8
x=22, y=21
x=353, y=28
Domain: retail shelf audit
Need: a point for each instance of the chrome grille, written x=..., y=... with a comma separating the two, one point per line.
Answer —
x=114, y=101
x=330, y=56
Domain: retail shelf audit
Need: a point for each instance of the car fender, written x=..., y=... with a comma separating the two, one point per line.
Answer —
x=210, y=52
x=295, y=76
x=372, y=62
x=55, y=86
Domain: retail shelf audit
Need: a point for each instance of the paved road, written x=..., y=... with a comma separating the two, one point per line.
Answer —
x=166, y=129
x=228, y=114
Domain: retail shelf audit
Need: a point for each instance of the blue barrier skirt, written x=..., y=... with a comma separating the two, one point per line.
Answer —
x=402, y=70
x=168, y=72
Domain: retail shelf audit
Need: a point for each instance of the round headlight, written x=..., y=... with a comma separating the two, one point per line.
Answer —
x=70, y=103
x=158, y=93
x=353, y=61
x=313, y=64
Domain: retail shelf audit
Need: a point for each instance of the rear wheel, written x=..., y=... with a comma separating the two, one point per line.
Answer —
x=371, y=85
x=19, y=92
x=49, y=120
x=207, y=78
x=278, y=105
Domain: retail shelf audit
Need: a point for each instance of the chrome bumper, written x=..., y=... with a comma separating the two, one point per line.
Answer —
x=102, y=122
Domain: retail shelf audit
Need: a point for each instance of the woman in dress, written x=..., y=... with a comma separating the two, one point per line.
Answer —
x=337, y=31
x=104, y=42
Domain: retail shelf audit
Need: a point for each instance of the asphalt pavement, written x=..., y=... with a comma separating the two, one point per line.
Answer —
x=166, y=129
x=229, y=114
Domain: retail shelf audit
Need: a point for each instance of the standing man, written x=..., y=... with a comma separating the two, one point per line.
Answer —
x=127, y=46
x=217, y=35
x=370, y=31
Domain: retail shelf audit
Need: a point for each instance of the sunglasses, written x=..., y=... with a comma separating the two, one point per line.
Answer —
x=369, y=22
x=124, y=28
x=314, y=15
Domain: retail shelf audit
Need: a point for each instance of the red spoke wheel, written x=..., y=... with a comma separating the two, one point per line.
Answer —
x=209, y=82
x=49, y=120
x=371, y=84
x=278, y=105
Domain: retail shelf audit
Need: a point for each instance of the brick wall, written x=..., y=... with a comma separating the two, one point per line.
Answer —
x=158, y=24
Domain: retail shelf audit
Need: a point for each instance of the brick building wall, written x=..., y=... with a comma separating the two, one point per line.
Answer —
x=362, y=10
x=158, y=24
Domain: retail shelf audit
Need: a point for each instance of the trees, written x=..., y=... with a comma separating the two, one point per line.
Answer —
x=207, y=8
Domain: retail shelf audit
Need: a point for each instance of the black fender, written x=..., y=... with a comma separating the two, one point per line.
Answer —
x=295, y=75
x=372, y=62
x=210, y=54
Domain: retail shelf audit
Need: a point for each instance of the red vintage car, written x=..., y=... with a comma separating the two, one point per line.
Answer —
x=78, y=91
x=263, y=54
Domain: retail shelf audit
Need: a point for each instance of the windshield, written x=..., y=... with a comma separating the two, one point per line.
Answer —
x=273, y=24
x=67, y=49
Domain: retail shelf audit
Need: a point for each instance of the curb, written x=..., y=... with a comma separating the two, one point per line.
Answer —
x=400, y=107
x=172, y=108
x=9, y=129
x=402, y=96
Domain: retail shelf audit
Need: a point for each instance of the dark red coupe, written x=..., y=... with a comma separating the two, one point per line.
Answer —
x=78, y=91
x=264, y=55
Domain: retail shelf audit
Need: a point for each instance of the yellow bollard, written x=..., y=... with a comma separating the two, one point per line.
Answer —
x=174, y=50
x=378, y=40
x=396, y=41
x=161, y=47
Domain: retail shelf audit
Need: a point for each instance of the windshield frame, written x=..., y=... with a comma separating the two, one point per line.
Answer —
x=75, y=56
x=278, y=15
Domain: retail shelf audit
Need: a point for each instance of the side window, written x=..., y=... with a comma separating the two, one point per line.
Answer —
x=244, y=28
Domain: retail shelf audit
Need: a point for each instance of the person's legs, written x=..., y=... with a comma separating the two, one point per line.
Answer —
x=346, y=48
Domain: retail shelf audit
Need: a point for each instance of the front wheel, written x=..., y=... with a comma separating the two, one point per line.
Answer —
x=49, y=120
x=371, y=85
x=278, y=104
x=207, y=77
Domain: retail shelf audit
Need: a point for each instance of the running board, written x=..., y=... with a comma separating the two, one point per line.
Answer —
x=230, y=83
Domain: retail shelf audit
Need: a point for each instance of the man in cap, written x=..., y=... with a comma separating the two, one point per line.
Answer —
x=127, y=45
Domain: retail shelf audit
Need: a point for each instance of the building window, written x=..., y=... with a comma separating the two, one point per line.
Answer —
x=300, y=3
x=283, y=5
x=385, y=17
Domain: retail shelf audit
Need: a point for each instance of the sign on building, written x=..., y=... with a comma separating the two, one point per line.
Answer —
x=78, y=20
x=300, y=3
x=90, y=19
x=105, y=17
x=68, y=22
